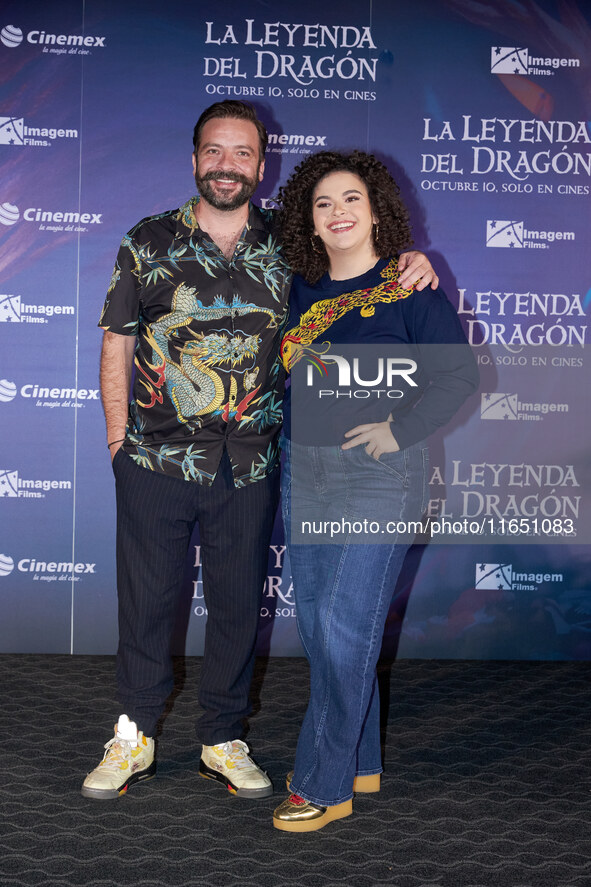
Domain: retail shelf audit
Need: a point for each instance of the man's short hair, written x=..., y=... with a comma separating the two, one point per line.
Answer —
x=237, y=110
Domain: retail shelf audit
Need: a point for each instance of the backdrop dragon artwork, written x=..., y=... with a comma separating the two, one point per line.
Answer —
x=481, y=112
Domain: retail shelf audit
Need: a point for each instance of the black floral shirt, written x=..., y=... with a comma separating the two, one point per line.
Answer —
x=207, y=370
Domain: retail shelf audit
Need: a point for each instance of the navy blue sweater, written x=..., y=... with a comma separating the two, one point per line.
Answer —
x=380, y=321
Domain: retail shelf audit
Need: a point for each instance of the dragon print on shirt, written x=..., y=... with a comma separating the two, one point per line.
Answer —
x=194, y=380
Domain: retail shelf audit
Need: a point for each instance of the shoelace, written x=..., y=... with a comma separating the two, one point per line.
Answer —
x=117, y=750
x=238, y=756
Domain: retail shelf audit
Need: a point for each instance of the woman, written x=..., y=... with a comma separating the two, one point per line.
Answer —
x=343, y=226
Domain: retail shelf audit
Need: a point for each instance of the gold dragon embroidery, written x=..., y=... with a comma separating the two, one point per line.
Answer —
x=321, y=315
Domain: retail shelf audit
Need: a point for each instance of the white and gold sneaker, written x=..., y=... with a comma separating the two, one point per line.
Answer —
x=229, y=763
x=129, y=757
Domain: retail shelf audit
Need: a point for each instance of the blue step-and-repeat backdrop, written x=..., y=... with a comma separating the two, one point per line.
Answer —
x=481, y=111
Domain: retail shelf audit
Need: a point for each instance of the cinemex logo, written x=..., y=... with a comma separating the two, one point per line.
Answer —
x=508, y=407
x=60, y=220
x=58, y=44
x=14, y=131
x=13, y=310
x=48, y=397
x=502, y=577
x=14, y=487
x=9, y=214
x=514, y=235
x=517, y=60
x=282, y=143
x=48, y=571
x=8, y=391
x=6, y=565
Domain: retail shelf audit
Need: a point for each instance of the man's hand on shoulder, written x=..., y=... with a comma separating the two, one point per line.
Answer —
x=415, y=268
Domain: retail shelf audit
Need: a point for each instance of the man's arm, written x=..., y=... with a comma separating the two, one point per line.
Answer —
x=415, y=267
x=115, y=376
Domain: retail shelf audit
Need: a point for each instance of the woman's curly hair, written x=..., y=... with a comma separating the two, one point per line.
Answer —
x=307, y=255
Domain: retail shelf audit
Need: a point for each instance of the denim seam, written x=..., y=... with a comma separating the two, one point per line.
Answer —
x=322, y=719
x=392, y=471
x=373, y=641
x=378, y=602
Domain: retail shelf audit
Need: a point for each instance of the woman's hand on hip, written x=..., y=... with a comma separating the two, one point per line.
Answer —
x=377, y=437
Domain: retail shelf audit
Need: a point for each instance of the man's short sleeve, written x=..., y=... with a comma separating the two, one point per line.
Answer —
x=121, y=310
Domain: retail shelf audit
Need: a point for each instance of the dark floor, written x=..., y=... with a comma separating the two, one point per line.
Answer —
x=487, y=783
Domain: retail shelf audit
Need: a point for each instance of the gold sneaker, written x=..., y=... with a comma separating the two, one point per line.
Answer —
x=129, y=757
x=298, y=815
x=367, y=784
x=230, y=764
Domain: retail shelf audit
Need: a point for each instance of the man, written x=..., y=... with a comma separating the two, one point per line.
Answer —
x=200, y=295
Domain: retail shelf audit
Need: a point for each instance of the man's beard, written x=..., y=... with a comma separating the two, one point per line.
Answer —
x=241, y=197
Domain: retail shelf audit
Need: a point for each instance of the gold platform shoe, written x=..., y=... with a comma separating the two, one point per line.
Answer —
x=361, y=784
x=298, y=815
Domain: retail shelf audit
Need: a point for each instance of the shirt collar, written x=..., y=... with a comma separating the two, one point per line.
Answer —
x=186, y=225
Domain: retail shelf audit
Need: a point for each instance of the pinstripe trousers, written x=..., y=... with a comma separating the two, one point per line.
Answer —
x=156, y=515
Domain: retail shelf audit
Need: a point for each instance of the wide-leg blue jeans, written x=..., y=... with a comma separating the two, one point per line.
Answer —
x=343, y=589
